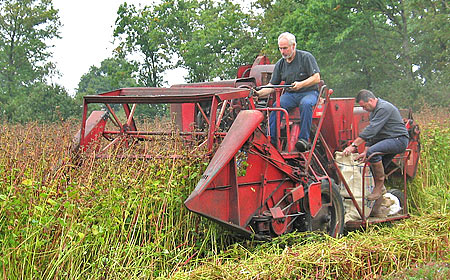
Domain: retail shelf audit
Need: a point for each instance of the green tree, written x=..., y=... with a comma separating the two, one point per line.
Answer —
x=141, y=32
x=381, y=45
x=397, y=48
x=208, y=38
x=221, y=38
x=25, y=28
x=113, y=73
x=430, y=29
x=335, y=33
x=42, y=103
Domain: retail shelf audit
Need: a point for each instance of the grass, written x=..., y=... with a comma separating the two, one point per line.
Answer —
x=112, y=219
x=105, y=216
x=380, y=251
x=435, y=271
x=430, y=191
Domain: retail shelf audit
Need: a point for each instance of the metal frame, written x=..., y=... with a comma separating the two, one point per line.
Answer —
x=128, y=129
x=371, y=220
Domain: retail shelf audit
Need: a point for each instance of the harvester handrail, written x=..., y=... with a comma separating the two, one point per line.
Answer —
x=286, y=114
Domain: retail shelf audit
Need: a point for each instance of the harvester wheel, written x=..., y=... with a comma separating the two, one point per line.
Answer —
x=330, y=219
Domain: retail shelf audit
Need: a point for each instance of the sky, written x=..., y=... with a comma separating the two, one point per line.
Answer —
x=87, y=39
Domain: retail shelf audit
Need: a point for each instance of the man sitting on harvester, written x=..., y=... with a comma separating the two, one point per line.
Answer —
x=299, y=69
x=386, y=134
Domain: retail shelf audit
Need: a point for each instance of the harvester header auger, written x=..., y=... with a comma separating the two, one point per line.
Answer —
x=251, y=186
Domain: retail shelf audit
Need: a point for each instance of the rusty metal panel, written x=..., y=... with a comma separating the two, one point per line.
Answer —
x=167, y=95
x=277, y=213
x=297, y=193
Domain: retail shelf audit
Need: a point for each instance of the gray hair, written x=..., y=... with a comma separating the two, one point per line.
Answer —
x=365, y=95
x=289, y=37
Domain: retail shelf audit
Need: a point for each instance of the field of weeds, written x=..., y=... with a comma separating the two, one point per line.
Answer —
x=125, y=219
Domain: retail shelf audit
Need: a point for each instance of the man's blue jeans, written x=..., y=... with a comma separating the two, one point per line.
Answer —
x=289, y=100
x=390, y=147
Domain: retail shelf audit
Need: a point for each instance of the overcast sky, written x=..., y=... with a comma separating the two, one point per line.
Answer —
x=87, y=38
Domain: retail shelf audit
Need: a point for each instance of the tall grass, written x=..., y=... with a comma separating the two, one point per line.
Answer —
x=374, y=254
x=105, y=217
x=430, y=191
x=112, y=219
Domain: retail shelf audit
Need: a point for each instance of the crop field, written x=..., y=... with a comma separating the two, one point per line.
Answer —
x=125, y=219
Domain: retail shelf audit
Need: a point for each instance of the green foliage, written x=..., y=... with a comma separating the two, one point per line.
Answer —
x=374, y=254
x=430, y=190
x=113, y=73
x=430, y=28
x=25, y=28
x=142, y=32
x=104, y=218
x=41, y=102
x=398, y=49
x=435, y=271
x=211, y=39
x=221, y=39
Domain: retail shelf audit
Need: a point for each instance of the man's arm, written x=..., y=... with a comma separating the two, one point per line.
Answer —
x=313, y=80
x=264, y=92
x=354, y=146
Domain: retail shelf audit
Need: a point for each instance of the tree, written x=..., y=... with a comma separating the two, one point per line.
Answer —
x=336, y=33
x=209, y=38
x=25, y=26
x=113, y=73
x=42, y=103
x=381, y=45
x=397, y=48
x=141, y=32
x=430, y=29
x=220, y=39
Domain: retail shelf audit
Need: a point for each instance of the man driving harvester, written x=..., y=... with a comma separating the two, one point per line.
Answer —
x=299, y=69
x=386, y=133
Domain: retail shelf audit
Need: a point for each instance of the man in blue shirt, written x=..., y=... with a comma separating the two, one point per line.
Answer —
x=299, y=69
x=386, y=133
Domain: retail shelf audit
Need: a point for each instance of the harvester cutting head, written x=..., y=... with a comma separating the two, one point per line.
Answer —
x=201, y=113
x=187, y=112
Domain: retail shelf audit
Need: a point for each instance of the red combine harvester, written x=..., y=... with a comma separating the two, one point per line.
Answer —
x=250, y=186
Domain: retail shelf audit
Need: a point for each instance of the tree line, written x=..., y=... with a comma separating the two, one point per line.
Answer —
x=396, y=48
